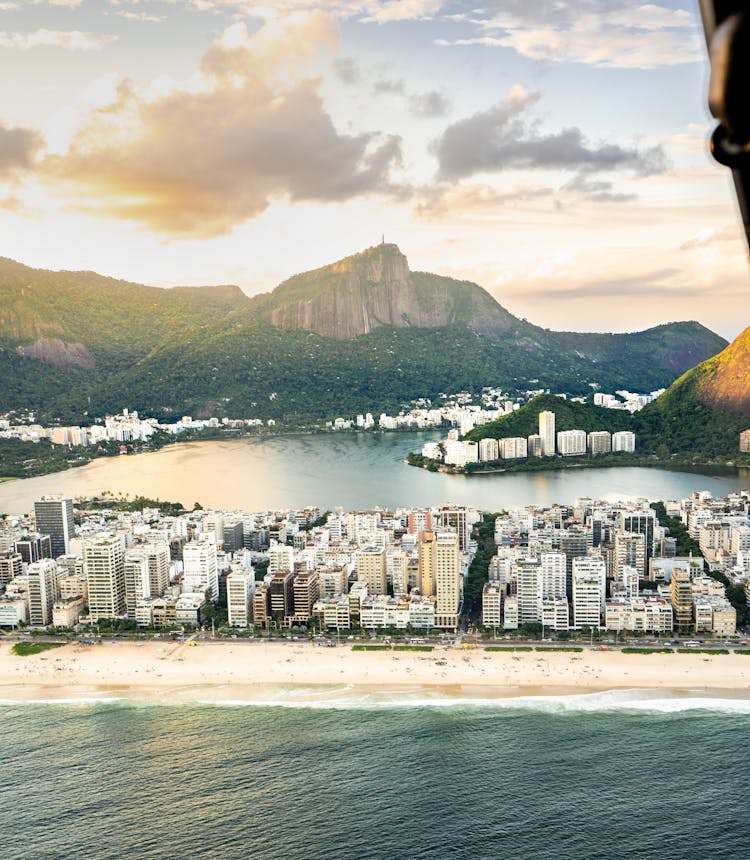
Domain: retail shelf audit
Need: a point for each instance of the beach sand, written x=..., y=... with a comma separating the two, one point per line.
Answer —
x=251, y=671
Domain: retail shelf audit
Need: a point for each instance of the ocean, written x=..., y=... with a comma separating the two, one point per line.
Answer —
x=607, y=775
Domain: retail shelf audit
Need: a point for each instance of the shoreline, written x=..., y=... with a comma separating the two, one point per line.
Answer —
x=305, y=675
x=711, y=469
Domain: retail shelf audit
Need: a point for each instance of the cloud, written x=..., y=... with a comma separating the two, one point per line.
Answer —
x=347, y=70
x=424, y=105
x=498, y=139
x=431, y=104
x=141, y=16
x=384, y=86
x=387, y=11
x=711, y=238
x=444, y=201
x=18, y=149
x=658, y=282
x=197, y=162
x=615, y=34
x=73, y=40
x=597, y=190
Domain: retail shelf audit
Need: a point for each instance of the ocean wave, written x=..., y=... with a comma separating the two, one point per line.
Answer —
x=635, y=701
x=350, y=698
x=79, y=700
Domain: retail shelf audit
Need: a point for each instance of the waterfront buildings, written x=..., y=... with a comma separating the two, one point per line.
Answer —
x=200, y=564
x=44, y=589
x=623, y=441
x=745, y=442
x=571, y=443
x=104, y=566
x=240, y=594
x=589, y=591
x=547, y=433
x=592, y=564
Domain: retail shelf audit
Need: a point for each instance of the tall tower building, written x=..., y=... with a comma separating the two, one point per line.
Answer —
x=547, y=433
x=554, y=565
x=201, y=566
x=54, y=517
x=682, y=599
x=447, y=576
x=157, y=556
x=630, y=551
x=44, y=590
x=426, y=563
x=641, y=522
x=240, y=592
x=137, y=581
x=589, y=591
x=529, y=590
x=419, y=521
x=372, y=569
x=574, y=542
x=104, y=565
x=456, y=518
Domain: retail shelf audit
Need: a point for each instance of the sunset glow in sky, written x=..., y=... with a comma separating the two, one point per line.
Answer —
x=552, y=151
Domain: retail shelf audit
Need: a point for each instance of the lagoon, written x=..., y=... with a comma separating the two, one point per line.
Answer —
x=352, y=470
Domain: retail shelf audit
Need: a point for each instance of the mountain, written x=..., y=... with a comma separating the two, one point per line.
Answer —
x=376, y=288
x=363, y=333
x=705, y=410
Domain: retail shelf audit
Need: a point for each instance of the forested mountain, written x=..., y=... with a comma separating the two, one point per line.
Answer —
x=363, y=333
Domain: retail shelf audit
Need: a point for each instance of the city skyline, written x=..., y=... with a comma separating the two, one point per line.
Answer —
x=331, y=124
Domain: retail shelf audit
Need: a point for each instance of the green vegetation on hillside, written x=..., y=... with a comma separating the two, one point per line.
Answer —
x=569, y=415
x=212, y=351
x=27, y=459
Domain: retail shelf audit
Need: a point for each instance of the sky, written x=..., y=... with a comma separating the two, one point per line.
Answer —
x=553, y=151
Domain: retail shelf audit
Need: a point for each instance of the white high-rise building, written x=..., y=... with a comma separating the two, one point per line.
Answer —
x=571, y=443
x=280, y=559
x=488, y=450
x=554, y=566
x=589, y=590
x=44, y=590
x=103, y=563
x=556, y=613
x=547, y=433
x=599, y=442
x=240, y=591
x=137, y=580
x=630, y=551
x=213, y=522
x=514, y=448
x=529, y=590
x=157, y=556
x=623, y=440
x=201, y=567
x=398, y=565
x=492, y=605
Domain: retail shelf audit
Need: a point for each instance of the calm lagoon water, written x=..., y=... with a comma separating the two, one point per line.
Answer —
x=354, y=470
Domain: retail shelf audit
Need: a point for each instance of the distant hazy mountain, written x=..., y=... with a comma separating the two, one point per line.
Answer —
x=363, y=333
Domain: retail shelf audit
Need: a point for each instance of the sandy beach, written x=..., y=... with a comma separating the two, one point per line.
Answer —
x=249, y=671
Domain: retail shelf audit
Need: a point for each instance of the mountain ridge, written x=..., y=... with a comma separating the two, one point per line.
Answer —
x=73, y=343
